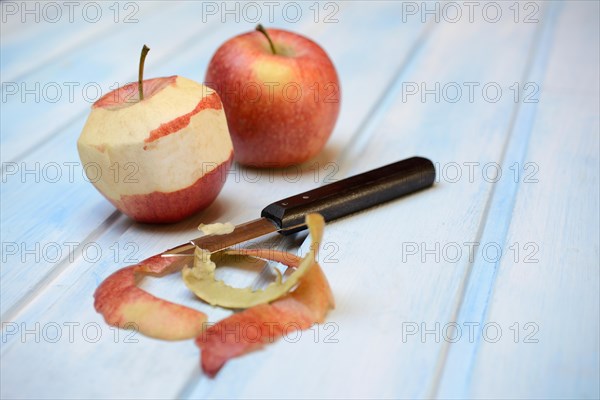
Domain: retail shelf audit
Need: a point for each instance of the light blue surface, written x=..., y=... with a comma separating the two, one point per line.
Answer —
x=381, y=288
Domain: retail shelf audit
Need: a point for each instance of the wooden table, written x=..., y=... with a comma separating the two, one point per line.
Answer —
x=486, y=285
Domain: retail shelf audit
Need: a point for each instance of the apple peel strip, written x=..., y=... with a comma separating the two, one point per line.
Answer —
x=299, y=310
x=125, y=305
x=201, y=280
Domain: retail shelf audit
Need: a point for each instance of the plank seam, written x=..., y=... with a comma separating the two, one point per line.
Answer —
x=43, y=141
x=39, y=288
x=513, y=128
x=56, y=57
x=365, y=131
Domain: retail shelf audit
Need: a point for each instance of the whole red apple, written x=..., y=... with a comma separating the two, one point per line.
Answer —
x=281, y=95
x=158, y=154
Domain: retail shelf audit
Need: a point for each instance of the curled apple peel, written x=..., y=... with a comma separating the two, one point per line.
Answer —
x=217, y=228
x=299, y=309
x=123, y=304
x=201, y=280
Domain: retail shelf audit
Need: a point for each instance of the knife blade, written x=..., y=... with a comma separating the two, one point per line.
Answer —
x=333, y=201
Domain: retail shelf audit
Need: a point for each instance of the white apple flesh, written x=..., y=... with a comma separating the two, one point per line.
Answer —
x=160, y=159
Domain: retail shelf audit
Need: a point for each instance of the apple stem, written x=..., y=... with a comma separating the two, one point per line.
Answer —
x=145, y=51
x=262, y=30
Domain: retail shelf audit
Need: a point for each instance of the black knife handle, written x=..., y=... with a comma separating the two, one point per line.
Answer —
x=352, y=194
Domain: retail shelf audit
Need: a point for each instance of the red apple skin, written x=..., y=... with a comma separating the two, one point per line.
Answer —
x=309, y=303
x=270, y=122
x=129, y=94
x=122, y=303
x=163, y=208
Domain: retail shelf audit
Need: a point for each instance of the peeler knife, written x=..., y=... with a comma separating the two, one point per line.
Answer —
x=332, y=201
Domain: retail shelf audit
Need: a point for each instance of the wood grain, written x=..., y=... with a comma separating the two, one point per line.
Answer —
x=399, y=285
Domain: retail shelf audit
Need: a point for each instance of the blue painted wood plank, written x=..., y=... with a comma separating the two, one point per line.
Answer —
x=546, y=297
x=25, y=23
x=478, y=284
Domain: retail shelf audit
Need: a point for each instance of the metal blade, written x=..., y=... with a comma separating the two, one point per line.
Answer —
x=212, y=243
